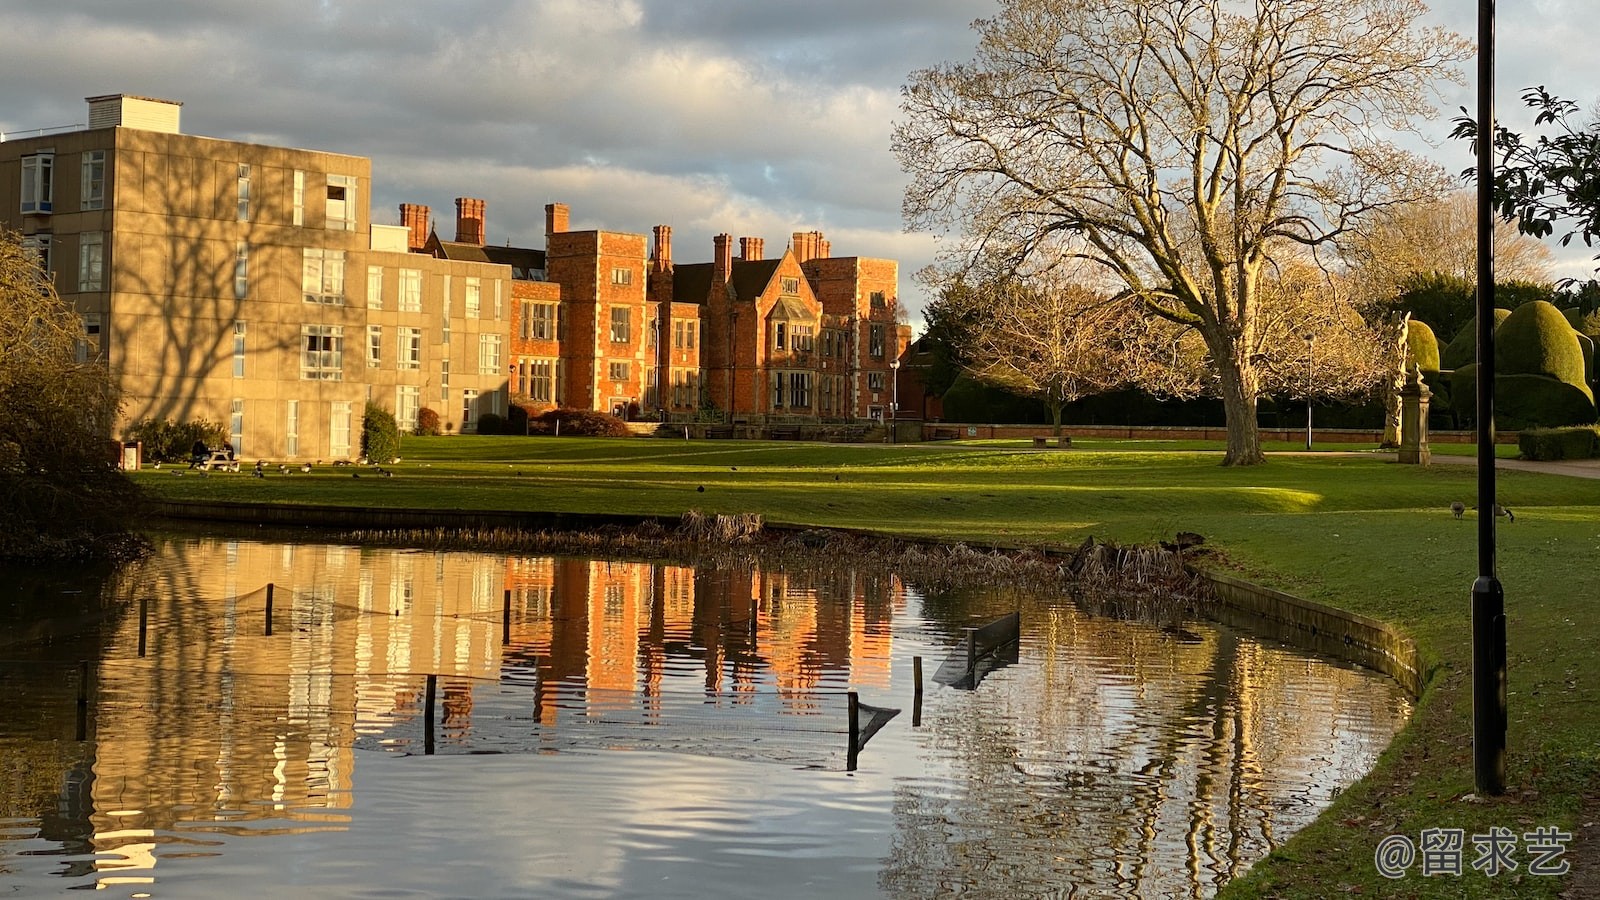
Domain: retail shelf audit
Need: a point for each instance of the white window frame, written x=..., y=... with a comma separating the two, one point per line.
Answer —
x=410, y=298
x=91, y=261
x=291, y=429
x=339, y=414
x=489, y=354
x=38, y=183
x=241, y=271
x=621, y=324
x=322, y=278
x=340, y=212
x=92, y=192
x=541, y=386
x=469, y=409
x=619, y=370
x=244, y=192
x=407, y=403
x=321, y=352
x=474, y=308
x=374, y=346
x=240, y=330
x=541, y=321
x=621, y=275
x=408, y=354
x=299, y=197
x=374, y=287
x=236, y=426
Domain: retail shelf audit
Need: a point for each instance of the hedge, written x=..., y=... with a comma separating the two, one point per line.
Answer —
x=1575, y=442
x=1523, y=401
x=1422, y=347
x=1463, y=348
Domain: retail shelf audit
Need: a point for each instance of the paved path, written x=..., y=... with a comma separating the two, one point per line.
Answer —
x=1575, y=468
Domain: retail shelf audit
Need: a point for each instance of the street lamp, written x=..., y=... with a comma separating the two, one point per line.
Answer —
x=1310, y=341
x=894, y=397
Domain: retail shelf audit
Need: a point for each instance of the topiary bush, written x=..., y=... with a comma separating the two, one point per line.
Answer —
x=580, y=423
x=491, y=423
x=1422, y=348
x=1463, y=348
x=427, y=423
x=1523, y=401
x=1535, y=339
x=380, y=435
x=1577, y=442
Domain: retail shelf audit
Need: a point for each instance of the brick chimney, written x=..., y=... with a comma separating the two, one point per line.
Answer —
x=469, y=221
x=663, y=255
x=555, y=218
x=722, y=261
x=414, y=217
x=750, y=248
x=805, y=245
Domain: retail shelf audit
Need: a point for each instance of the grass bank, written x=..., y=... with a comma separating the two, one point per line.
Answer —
x=1357, y=532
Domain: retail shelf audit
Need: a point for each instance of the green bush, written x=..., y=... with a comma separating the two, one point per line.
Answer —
x=491, y=423
x=1463, y=348
x=970, y=400
x=1523, y=401
x=166, y=441
x=380, y=435
x=1422, y=348
x=1586, y=344
x=1536, y=340
x=580, y=423
x=1576, y=442
x=428, y=423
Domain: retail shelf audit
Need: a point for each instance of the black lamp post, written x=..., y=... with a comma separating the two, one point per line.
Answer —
x=1488, y=600
x=894, y=397
x=1311, y=340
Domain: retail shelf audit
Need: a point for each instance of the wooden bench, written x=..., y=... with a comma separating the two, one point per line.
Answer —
x=719, y=431
x=784, y=433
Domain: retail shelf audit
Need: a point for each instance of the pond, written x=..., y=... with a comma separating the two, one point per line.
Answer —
x=638, y=729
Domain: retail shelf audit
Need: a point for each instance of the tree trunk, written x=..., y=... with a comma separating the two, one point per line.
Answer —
x=1239, y=396
x=1055, y=415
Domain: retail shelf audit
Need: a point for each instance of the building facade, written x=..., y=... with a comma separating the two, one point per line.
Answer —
x=247, y=285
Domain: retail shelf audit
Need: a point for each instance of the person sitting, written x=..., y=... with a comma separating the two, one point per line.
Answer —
x=199, y=454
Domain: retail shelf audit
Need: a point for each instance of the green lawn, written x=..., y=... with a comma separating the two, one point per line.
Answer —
x=1355, y=531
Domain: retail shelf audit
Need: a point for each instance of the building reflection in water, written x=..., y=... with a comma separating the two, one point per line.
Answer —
x=1117, y=754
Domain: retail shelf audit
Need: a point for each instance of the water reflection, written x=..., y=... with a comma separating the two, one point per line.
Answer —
x=1127, y=758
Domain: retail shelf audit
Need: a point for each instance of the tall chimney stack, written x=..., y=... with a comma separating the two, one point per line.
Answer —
x=469, y=221
x=414, y=216
x=663, y=235
x=750, y=248
x=555, y=218
x=722, y=261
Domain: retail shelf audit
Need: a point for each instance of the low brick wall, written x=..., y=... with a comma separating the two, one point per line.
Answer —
x=1313, y=626
x=932, y=431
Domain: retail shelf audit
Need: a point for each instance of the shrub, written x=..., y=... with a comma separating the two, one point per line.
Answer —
x=166, y=441
x=582, y=423
x=427, y=422
x=1463, y=348
x=1536, y=340
x=380, y=435
x=1523, y=401
x=1576, y=442
x=522, y=413
x=1422, y=348
x=491, y=423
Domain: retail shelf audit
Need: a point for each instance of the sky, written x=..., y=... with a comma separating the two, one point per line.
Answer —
x=750, y=117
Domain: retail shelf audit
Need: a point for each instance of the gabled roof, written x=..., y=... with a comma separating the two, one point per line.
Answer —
x=791, y=309
x=522, y=260
x=691, y=283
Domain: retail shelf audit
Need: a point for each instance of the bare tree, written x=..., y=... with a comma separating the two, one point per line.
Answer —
x=1436, y=236
x=1054, y=340
x=1186, y=143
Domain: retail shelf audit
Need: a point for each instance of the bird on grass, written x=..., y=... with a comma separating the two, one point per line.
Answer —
x=701, y=489
x=733, y=468
x=1457, y=508
x=283, y=469
x=306, y=468
x=355, y=474
x=1504, y=512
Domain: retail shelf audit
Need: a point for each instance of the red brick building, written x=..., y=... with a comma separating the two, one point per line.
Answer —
x=600, y=323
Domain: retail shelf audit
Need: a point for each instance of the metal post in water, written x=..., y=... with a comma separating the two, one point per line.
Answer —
x=972, y=652
x=505, y=621
x=427, y=716
x=916, y=693
x=855, y=731
x=83, y=700
x=269, y=609
x=144, y=622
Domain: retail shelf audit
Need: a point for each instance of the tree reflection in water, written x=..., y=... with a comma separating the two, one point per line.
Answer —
x=1140, y=758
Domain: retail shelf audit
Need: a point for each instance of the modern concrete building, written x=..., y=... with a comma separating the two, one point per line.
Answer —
x=246, y=284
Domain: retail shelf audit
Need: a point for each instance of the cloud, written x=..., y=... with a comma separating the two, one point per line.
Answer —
x=751, y=118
